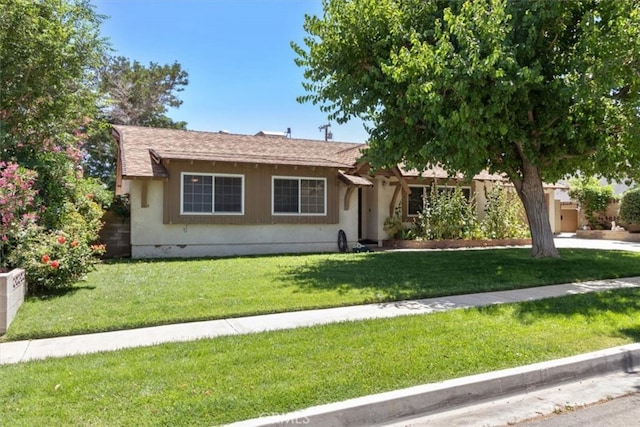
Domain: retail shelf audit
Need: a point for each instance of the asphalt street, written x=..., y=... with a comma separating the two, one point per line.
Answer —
x=622, y=411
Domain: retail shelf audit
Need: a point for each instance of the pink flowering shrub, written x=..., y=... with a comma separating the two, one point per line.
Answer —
x=54, y=259
x=17, y=195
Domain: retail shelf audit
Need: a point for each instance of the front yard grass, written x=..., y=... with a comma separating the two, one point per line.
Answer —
x=131, y=294
x=227, y=379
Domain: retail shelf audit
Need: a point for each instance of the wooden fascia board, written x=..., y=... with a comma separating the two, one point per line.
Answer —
x=403, y=182
x=345, y=180
x=392, y=206
x=360, y=167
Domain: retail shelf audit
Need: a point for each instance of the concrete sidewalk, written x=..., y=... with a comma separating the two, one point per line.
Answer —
x=22, y=351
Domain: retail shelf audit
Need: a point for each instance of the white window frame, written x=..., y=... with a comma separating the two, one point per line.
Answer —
x=299, y=179
x=213, y=200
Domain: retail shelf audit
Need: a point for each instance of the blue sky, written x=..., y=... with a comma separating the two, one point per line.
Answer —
x=242, y=75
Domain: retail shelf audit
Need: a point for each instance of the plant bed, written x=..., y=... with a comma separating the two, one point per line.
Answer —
x=633, y=228
x=625, y=236
x=452, y=244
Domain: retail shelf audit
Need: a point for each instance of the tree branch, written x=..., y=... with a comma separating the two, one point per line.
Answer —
x=622, y=92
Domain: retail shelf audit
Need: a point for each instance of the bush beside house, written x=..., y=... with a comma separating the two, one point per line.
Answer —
x=51, y=258
x=448, y=215
x=630, y=210
x=594, y=199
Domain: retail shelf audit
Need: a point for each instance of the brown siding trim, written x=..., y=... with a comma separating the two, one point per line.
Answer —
x=392, y=205
x=257, y=191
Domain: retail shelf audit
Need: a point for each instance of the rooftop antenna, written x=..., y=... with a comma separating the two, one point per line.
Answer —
x=327, y=134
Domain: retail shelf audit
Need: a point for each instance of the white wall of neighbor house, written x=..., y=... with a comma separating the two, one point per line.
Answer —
x=557, y=216
x=553, y=206
x=150, y=238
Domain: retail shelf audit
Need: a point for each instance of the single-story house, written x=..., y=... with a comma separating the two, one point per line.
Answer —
x=198, y=194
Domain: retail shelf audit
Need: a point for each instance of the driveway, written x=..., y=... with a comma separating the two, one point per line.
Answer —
x=566, y=240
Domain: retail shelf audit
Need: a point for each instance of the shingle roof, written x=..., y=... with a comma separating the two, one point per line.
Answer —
x=440, y=173
x=142, y=147
x=354, y=180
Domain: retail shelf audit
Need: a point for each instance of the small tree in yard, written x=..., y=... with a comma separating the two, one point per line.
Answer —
x=536, y=90
x=447, y=215
x=630, y=207
x=593, y=198
x=504, y=216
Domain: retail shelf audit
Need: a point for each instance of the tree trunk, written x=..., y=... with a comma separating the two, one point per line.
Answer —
x=531, y=194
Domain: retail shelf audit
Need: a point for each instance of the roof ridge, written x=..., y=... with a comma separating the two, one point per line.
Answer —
x=227, y=133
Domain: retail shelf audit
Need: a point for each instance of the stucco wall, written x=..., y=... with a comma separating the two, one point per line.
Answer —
x=150, y=238
x=376, y=208
x=370, y=212
x=480, y=189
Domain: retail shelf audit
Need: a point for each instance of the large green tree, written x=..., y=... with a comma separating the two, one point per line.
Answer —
x=536, y=90
x=133, y=94
x=49, y=51
x=141, y=95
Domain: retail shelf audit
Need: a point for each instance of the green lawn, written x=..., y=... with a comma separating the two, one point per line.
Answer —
x=227, y=379
x=128, y=294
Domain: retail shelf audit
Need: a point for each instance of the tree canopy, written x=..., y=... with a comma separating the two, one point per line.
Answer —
x=49, y=51
x=48, y=54
x=133, y=94
x=141, y=95
x=47, y=87
x=535, y=90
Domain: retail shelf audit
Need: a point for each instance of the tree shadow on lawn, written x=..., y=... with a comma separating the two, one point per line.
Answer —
x=409, y=275
x=589, y=305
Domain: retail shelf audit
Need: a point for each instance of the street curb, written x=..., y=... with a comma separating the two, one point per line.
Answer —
x=420, y=400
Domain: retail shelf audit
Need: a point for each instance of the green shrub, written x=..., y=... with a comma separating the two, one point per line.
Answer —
x=447, y=215
x=393, y=225
x=54, y=260
x=81, y=216
x=630, y=207
x=504, y=216
x=593, y=198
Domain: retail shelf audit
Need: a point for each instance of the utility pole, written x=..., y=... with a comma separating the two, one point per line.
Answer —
x=327, y=134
